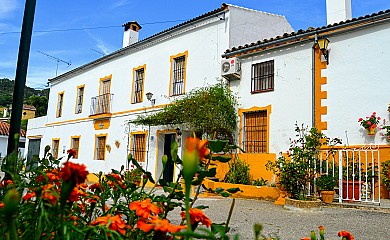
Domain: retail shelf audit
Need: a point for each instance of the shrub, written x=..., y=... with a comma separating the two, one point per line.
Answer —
x=238, y=172
x=260, y=182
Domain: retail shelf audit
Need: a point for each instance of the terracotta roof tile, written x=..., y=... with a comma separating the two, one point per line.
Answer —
x=4, y=129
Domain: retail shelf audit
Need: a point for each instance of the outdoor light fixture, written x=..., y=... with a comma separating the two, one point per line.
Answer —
x=323, y=45
x=149, y=96
x=178, y=137
x=178, y=132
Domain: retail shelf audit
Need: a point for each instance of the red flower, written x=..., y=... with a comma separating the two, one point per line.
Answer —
x=197, y=216
x=159, y=225
x=144, y=208
x=360, y=119
x=28, y=196
x=76, y=193
x=116, y=223
x=74, y=172
x=50, y=194
x=71, y=153
x=95, y=186
x=346, y=235
x=369, y=123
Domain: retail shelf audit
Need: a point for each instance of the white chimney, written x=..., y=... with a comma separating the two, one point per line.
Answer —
x=338, y=10
x=130, y=35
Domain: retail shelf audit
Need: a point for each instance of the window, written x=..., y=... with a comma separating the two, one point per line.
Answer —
x=100, y=147
x=139, y=147
x=60, y=103
x=75, y=143
x=138, y=85
x=178, y=74
x=262, y=77
x=255, y=132
x=79, y=100
x=55, y=148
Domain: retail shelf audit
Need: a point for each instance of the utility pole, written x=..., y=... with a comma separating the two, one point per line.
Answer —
x=20, y=78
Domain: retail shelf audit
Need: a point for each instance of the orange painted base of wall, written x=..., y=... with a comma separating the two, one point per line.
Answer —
x=248, y=191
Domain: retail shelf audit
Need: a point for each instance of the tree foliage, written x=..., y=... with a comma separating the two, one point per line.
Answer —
x=209, y=110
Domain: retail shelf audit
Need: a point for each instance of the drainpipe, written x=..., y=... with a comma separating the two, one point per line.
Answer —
x=313, y=80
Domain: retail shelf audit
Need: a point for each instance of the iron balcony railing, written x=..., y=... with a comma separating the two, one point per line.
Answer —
x=101, y=104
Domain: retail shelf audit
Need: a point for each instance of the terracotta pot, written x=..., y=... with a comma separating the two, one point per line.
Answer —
x=371, y=131
x=353, y=189
x=327, y=196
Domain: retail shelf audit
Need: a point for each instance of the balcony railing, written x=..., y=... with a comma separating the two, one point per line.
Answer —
x=101, y=104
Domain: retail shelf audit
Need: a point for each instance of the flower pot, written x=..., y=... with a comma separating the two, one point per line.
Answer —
x=327, y=196
x=351, y=189
x=371, y=131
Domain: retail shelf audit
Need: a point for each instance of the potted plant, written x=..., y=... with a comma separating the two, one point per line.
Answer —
x=134, y=175
x=386, y=134
x=370, y=123
x=386, y=174
x=295, y=170
x=325, y=185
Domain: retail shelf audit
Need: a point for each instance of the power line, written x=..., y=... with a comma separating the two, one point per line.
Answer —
x=89, y=28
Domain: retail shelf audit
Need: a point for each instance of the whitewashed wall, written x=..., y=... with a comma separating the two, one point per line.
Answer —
x=358, y=82
x=291, y=99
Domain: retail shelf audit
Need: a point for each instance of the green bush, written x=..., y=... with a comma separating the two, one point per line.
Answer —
x=238, y=172
x=260, y=182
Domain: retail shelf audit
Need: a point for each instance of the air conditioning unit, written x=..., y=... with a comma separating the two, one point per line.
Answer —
x=231, y=68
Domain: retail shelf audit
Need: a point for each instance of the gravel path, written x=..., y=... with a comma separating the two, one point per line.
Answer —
x=363, y=224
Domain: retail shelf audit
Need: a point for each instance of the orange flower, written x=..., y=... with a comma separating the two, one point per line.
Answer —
x=95, y=186
x=306, y=238
x=144, y=208
x=76, y=193
x=116, y=223
x=157, y=224
x=346, y=235
x=2, y=205
x=94, y=199
x=50, y=194
x=203, y=150
x=74, y=172
x=28, y=196
x=197, y=216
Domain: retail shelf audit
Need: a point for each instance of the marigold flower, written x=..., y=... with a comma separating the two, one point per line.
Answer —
x=346, y=235
x=76, y=193
x=159, y=225
x=95, y=186
x=144, y=208
x=74, y=172
x=29, y=196
x=116, y=223
x=197, y=216
x=94, y=199
x=71, y=153
x=50, y=194
x=2, y=205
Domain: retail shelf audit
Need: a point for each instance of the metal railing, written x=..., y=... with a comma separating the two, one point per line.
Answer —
x=101, y=104
x=357, y=171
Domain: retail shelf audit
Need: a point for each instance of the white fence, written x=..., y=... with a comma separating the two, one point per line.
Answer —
x=357, y=170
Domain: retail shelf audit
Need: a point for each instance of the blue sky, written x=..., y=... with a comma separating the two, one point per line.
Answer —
x=76, y=30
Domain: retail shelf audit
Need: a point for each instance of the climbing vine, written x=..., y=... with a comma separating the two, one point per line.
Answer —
x=207, y=110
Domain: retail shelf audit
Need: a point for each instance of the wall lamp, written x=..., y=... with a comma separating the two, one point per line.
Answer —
x=323, y=45
x=149, y=96
x=178, y=137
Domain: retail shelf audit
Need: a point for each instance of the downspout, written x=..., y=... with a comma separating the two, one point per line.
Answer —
x=147, y=155
x=313, y=81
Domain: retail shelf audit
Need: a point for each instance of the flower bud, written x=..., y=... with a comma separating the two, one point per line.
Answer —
x=164, y=160
x=11, y=201
x=190, y=158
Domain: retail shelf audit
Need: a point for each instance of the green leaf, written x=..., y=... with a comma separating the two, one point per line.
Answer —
x=233, y=190
x=162, y=182
x=225, y=194
x=218, y=190
x=217, y=145
x=218, y=228
x=222, y=159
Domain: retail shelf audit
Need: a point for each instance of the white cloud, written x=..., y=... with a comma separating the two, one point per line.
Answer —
x=7, y=7
x=103, y=47
x=119, y=3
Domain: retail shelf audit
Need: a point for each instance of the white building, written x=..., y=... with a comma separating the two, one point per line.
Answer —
x=4, y=133
x=89, y=107
x=286, y=79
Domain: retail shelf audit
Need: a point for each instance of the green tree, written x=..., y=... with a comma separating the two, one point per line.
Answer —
x=210, y=110
x=40, y=103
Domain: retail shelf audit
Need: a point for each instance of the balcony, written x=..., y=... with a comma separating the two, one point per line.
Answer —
x=101, y=104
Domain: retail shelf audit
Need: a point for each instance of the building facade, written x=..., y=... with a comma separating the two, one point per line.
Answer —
x=90, y=107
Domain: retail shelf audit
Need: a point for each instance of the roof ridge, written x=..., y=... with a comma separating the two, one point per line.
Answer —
x=254, y=10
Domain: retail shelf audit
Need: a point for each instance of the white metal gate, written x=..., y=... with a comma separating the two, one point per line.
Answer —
x=357, y=170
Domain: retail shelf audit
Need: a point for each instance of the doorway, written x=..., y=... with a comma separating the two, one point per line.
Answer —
x=33, y=153
x=169, y=168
